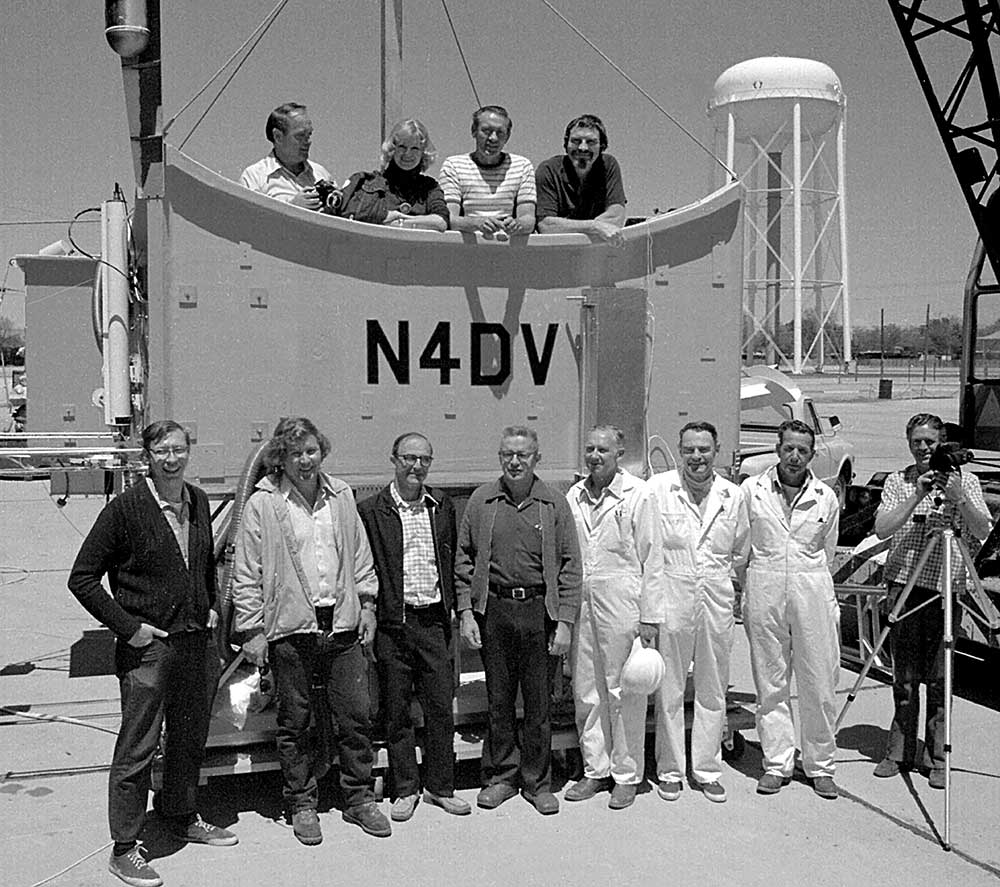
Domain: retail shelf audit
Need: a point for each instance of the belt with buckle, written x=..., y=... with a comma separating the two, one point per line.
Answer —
x=434, y=609
x=517, y=592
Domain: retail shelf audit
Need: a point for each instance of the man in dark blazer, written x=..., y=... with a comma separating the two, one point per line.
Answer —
x=154, y=543
x=411, y=528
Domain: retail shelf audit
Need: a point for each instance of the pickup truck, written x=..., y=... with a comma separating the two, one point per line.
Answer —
x=769, y=397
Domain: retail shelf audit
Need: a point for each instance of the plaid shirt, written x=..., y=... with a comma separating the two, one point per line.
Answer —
x=421, y=583
x=909, y=541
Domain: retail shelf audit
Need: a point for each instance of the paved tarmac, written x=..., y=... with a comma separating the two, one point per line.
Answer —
x=885, y=832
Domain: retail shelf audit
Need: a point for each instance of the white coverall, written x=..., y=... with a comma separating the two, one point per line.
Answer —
x=622, y=586
x=792, y=619
x=699, y=552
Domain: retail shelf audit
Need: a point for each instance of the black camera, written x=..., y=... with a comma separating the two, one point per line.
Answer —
x=949, y=457
x=329, y=194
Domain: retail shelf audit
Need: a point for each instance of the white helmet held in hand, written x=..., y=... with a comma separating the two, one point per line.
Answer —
x=642, y=671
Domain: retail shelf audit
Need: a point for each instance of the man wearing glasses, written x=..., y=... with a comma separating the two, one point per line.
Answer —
x=411, y=528
x=154, y=543
x=518, y=577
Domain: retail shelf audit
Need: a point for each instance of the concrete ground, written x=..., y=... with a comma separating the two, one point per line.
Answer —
x=887, y=832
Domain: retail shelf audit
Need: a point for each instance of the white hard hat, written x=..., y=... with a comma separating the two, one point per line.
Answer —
x=642, y=671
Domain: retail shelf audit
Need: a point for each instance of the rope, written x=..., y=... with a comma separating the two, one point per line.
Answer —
x=640, y=90
x=254, y=38
x=56, y=719
x=72, y=865
x=454, y=34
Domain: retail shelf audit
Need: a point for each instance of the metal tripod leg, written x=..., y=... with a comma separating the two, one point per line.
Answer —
x=949, y=649
x=893, y=618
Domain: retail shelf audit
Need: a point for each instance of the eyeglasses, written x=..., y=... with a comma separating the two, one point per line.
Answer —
x=410, y=460
x=509, y=455
x=163, y=452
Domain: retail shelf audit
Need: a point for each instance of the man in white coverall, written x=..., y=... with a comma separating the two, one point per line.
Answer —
x=701, y=522
x=618, y=526
x=790, y=611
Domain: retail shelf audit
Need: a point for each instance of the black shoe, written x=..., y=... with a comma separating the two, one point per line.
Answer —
x=886, y=769
x=369, y=818
x=622, y=796
x=133, y=869
x=494, y=795
x=197, y=831
x=585, y=789
x=771, y=784
x=305, y=827
x=545, y=803
x=825, y=787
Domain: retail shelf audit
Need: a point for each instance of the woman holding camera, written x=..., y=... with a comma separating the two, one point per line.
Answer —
x=398, y=194
x=918, y=502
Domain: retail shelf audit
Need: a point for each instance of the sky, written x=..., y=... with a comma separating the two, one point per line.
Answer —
x=64, y=140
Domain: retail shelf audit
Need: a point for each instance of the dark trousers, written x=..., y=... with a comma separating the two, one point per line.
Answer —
x=515, y=637
x=414, y=659
x=168, y=679
x=917, y=655
x=333, y=663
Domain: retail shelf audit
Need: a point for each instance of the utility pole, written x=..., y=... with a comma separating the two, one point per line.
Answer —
x=392, y=64
x=927, y=338
x=881, y=344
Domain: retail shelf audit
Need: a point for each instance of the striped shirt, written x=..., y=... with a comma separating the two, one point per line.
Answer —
x=488, y=190
x=421, y=584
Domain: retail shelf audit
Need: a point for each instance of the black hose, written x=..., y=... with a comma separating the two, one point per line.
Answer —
x=253, y=470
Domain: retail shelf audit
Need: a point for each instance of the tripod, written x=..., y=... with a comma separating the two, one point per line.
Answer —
x=987, y=616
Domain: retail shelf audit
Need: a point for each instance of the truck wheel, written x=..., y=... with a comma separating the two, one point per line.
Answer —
x=840, y=486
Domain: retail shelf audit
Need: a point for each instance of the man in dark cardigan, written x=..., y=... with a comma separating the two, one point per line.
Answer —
x=154, y=543
x=411, y=528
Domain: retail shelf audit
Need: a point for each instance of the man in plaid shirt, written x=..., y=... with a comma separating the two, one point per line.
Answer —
x=916, y=502
x=411, y=529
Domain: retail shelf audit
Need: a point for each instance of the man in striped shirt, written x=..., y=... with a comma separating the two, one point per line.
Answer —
x=490, y=191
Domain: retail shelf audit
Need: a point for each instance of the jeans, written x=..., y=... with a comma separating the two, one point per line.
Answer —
x=515, y=636
x=335, y=664
x=917, y=644
x=414, y=659
x=167, y=679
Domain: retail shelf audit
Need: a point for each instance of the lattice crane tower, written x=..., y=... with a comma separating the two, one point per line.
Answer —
x=770, y=114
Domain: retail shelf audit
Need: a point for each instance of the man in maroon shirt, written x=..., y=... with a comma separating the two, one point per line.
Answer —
x=581, y=191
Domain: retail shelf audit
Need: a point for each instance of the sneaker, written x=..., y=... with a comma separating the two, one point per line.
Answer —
x=133, y=869
x=545, y=803
x=402, y=808
x=494, y=795
x=369, y=818
x=886, y=769
x=585, y=789
x=448, y=803
x=669, y=789
x=305, y=826
x=713, y=791
x=935, y=779
x=825, y=787
x=197, y=831
x=771, y=783
x=622, y=796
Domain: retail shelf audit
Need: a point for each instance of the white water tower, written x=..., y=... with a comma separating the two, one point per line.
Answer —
x=781, y=123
